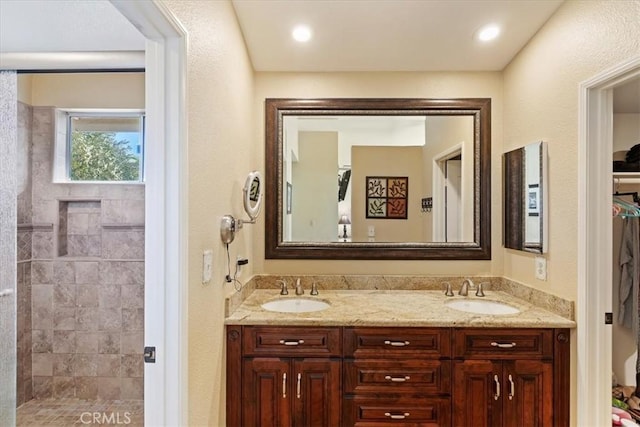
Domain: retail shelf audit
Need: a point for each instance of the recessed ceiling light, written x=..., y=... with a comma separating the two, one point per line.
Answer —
x=301, y=33
x=488, y=33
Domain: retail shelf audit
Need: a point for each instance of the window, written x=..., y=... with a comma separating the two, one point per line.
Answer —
x=101, y=146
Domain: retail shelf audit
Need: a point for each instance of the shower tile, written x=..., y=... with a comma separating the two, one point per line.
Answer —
x=85, y=365
x=64, y=295
x=132, y=319
x=132, y=296
x=87, y=342
x=42, y=387
x=64, y=318
x=131, y=342
x=94, y=223
x=109, y=342
x=42, y=364
x=132, y=388
x=86, y=296
x=122, y=272
x=42, y=341
x=87, y=387
x=41, y=272
x=109, y=388
x=132, y=365
x=78, y=223
x=109, y=296
x=123, y=244
x=42, y=245
x=87, y=319
x=123, y=211
x=64, y=341
x=64, y=387
x=110, y=319
x=63, y=364
x=108, y=365
x=42, y=306
x=87, y=272
x=64, y=272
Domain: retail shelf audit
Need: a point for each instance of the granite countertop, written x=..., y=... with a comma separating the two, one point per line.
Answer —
x=393, y=308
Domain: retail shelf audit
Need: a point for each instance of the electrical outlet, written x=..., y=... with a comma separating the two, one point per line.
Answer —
x=541, y=268
x=207, y=266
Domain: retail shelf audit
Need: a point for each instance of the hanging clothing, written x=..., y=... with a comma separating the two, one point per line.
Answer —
x=629, y=275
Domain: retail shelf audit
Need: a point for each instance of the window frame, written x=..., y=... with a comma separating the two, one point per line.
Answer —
x=62, y=173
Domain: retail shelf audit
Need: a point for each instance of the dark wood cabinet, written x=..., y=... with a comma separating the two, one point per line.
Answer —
x=380, y=376
x=508, y=378
x=289, y=377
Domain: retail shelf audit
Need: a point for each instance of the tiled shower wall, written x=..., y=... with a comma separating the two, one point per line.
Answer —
x=87, y=281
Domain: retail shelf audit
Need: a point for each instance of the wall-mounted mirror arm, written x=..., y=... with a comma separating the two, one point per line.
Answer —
x=252, y=199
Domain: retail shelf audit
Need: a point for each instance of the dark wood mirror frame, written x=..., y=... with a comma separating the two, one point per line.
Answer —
x=276, y=248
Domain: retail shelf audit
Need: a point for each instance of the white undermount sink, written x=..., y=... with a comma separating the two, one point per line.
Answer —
x=295, y=305
x=481, y=306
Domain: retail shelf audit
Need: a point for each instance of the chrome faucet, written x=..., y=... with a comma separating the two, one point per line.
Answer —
x=283, y=287
x=464, y=289
x=480, y=292
x=448, y=291
x=299, y=290
x=314, y=289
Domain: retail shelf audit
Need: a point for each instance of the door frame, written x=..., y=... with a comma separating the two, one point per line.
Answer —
x=595, y=154
x=439, y=184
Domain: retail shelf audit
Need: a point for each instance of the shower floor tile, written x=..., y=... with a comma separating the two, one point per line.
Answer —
x=78, y=412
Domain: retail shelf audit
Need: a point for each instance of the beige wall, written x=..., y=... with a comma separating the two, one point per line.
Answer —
x=83, y=90
x=221, y=152
x=582, y=39
x=386, y=161
x=385, y=85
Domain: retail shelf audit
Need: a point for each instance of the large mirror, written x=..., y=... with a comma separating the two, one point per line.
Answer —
x=525, y=196
x=378, y=178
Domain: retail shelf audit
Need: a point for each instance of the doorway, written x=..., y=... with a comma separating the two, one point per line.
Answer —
x=594, y=337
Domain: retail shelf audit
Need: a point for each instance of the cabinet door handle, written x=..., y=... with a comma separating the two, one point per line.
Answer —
x=497, y=381
x=397, y=416
x=513, y=388
x=397, y=379
x=284, y=385
x=503, y=344
x=291, y=342
x=397, y=343
x=298, y=393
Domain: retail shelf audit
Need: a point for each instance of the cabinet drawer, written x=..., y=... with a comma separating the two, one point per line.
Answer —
x=502, y=344
x=430, y=412
x=396, y=342
x=398, y=376
x=291, y=341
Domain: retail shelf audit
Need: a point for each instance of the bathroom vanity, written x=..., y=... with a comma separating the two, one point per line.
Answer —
x=384, y=358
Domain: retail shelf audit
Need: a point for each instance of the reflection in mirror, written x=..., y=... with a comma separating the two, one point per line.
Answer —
x=525, y=195
x=350, y=174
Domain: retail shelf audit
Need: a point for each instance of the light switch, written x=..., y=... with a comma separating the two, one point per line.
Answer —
x=207, y=266
x=371, y=232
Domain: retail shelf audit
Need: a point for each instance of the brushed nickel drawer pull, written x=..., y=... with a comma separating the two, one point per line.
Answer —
x=298, y=393
x=503, y=344
x=397, y=416
x=397, y=343
x=284, y=385
x=397, y=379
x=291, y=342
x=513, y=388
x=497, y=381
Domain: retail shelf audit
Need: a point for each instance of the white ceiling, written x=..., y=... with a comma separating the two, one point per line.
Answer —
x=349, y=35
x=387, y=35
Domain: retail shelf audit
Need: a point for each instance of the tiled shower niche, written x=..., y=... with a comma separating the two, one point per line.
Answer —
x=79, y=229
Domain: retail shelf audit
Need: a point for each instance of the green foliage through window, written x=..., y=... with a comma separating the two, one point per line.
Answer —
x=100, y=156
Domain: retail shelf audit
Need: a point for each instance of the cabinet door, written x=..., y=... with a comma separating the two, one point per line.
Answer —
x=528, y=393
x=316, y=392
x=266, y=397
x=477, y=393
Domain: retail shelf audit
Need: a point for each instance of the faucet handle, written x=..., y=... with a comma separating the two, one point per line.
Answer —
x=449, y=290
x=283, y=287
x=314, y=289
x=480, y=292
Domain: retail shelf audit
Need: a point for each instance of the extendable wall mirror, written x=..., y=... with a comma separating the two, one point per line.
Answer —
x=252, y=199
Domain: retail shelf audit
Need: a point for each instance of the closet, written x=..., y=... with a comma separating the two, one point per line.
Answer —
x=626, y=236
